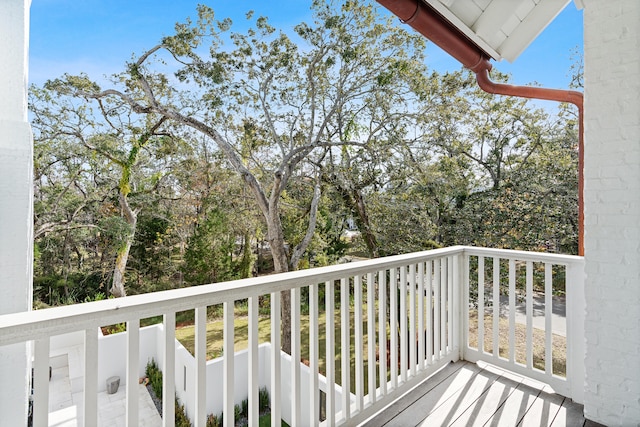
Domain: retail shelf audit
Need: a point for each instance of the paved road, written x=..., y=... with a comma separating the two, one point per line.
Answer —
x=558, y=314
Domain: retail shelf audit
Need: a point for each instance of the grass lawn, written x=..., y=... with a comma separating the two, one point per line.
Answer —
x=559, y=343
x=186, y=336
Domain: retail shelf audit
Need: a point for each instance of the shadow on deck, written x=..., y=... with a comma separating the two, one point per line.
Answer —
x=468, y=394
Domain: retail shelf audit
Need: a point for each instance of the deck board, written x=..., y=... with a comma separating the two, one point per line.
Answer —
x=466, y=394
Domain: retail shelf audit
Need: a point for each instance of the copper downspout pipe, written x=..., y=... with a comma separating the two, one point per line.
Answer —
x=428, y=22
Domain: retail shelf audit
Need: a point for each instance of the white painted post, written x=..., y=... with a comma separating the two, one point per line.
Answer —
x=329, y=297
x=371, y=337
x=421, y=325
x=359, y=340
x=254, y=382
x=382, y=330
x=436, y=309
x=575, y=279
x=529, y=302
x=393, y=316
x=168, y=371
x=512, y=310
x=453, y=305
x=41, y=383
x=295, y=356
x=480, y=302
x=201, y=366
x=276, y=360
x=228, y=364
x=91, y=377
x=314, y=403
x=16, y=204
x=548, y=315
x=133, y=362
x=460, y=299
x=412, y=321
x=345, y=348
x=496, y=307
x=430, y=318
x=444, y=277
x=403, y=324
x=464, y=288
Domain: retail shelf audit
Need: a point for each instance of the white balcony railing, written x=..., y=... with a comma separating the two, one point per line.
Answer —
x=398, y=320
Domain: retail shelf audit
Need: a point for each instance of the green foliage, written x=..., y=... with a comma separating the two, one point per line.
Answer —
x=155, y=377
x=181, y=418
x=215, y=420
x=416, y=160
x=263, y=399
x=208, y=258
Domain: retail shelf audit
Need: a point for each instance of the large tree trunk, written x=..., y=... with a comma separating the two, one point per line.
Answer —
x=281, y=265
x=117, y=285
x=365, y=224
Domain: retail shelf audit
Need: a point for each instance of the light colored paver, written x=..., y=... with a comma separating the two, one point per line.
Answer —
x=66, y=408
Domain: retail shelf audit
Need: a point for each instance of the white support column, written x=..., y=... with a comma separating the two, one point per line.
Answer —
x=612, y=211
x=133, y=372
x=16, y=203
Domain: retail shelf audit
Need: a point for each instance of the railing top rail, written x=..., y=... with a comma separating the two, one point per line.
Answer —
x=59, y=320
x=524, y=255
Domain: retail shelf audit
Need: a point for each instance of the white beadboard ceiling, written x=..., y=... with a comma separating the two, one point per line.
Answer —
x=502, y=28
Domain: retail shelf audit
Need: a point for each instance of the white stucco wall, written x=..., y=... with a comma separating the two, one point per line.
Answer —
x=16, y=213
x=612, y=211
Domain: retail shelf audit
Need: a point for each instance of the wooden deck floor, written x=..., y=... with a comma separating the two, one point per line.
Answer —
x=465, y=394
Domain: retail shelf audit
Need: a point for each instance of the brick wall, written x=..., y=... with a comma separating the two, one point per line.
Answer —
x=612, y=210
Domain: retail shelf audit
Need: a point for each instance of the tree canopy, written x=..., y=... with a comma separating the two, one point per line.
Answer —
x=216, y=155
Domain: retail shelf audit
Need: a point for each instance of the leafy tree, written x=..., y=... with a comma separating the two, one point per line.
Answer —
x=268, y=104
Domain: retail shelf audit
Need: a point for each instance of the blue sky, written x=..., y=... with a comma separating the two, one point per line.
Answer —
x=99, y=36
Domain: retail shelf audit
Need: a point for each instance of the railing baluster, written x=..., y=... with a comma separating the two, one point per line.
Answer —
x=228, y=354
x=548, y=318
x=254, y=384
x=133, y=362
x=393, y=320
x=496, y=307
x=452, y=304
x=276, y=387
x=90, y=377
x=41, y=383
x=382, y=329
x=371, y=337
x=345, y=349
x=393, y=316
x=421, y=326
x=329, y=295
x=201, y=366
x=412, y=321
x=529, y=291
x=359, y=341
x=436, y=309
x=168, y=370
x=314, y=403
x=480, y=304
x=295, y=356
x=512, y=310
x=460, y=315
x=429, y=320
x=443, y=306
x=403, y=324
x=465, y=305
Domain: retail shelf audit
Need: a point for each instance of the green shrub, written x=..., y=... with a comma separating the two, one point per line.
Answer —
x=214, y=420
x=181, y=419
x=155, y=378
x=263, y=400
